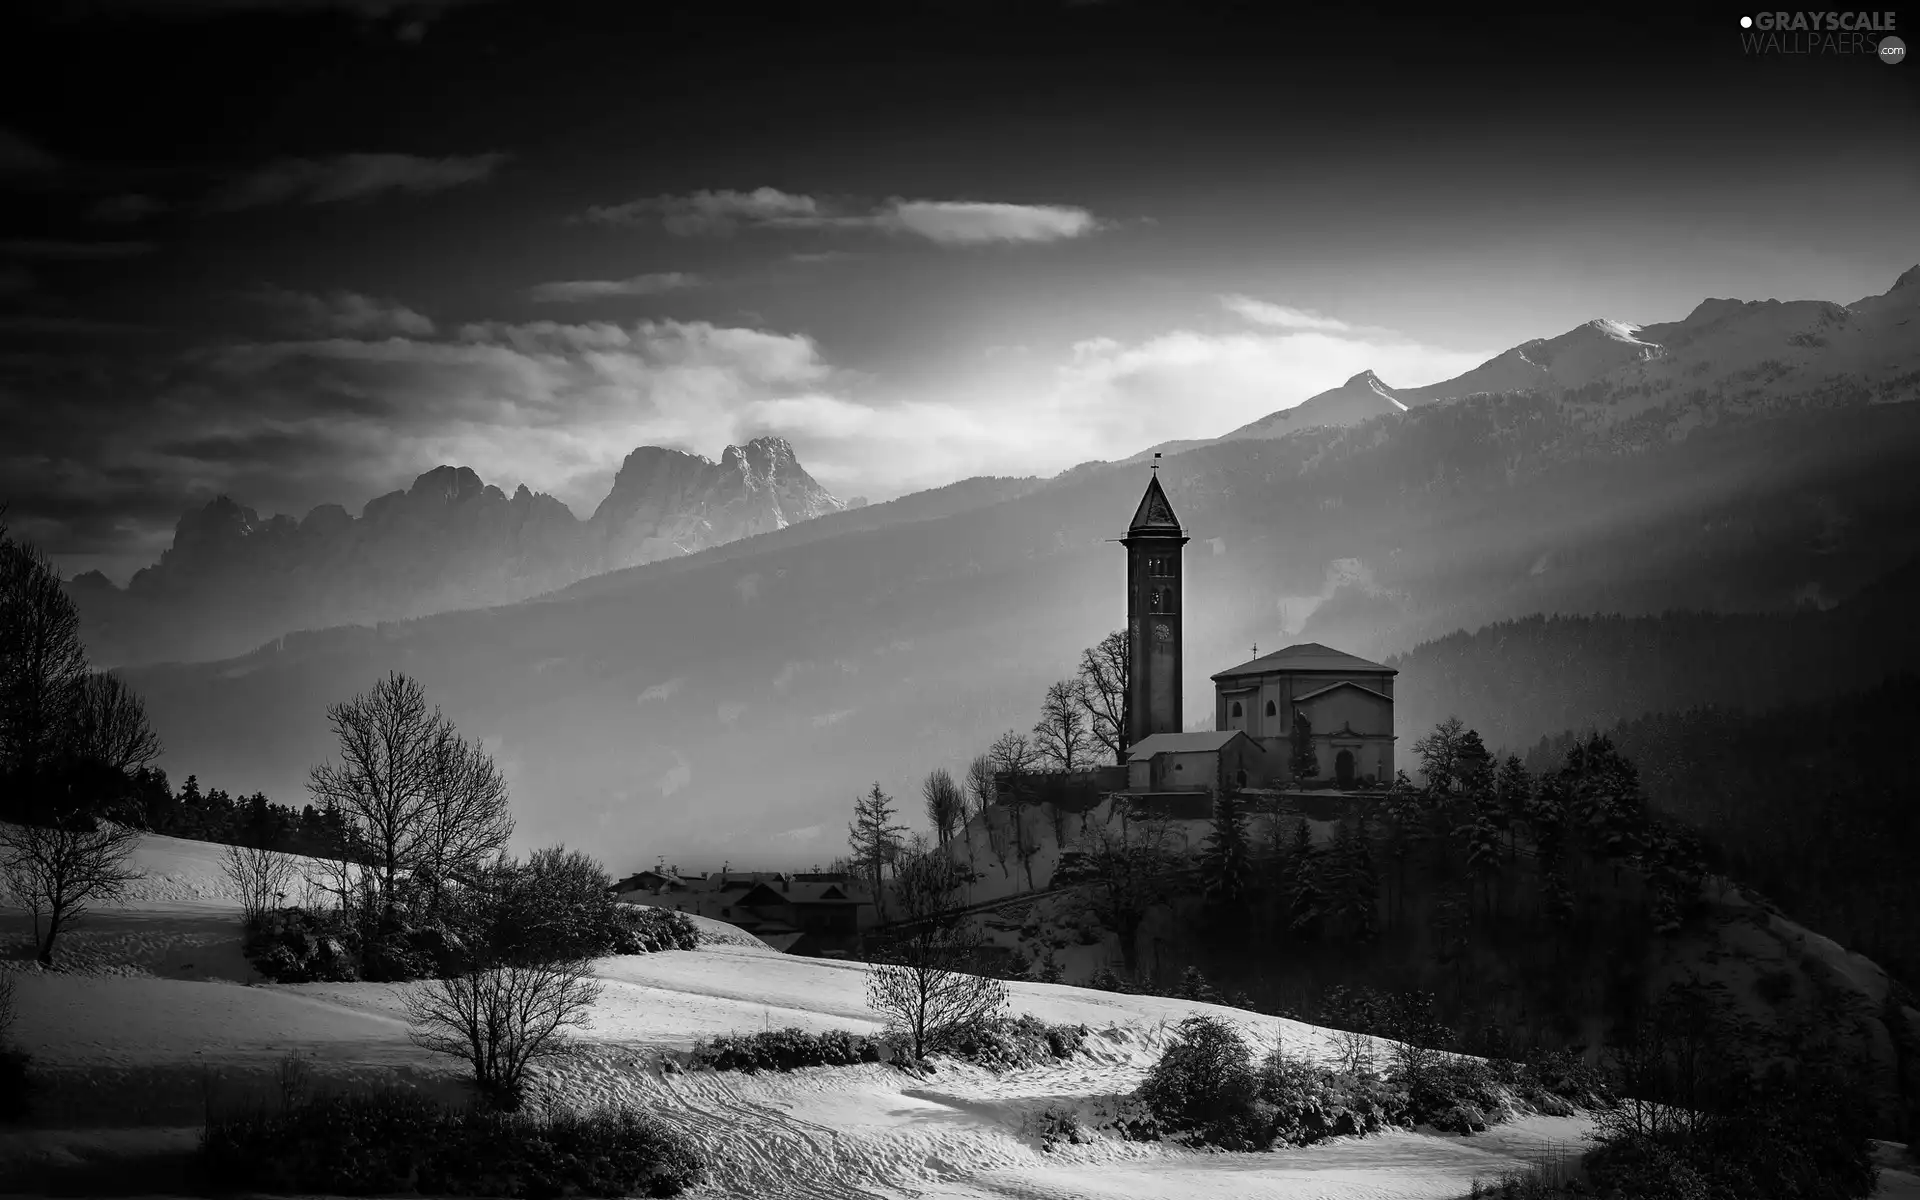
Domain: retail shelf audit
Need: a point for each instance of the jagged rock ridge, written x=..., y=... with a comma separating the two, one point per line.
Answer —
x=233, y=578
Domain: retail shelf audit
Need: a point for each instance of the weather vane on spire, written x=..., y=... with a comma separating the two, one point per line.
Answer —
x=1156, y=461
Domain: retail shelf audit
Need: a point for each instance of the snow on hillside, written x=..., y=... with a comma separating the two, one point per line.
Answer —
x=135, y=1058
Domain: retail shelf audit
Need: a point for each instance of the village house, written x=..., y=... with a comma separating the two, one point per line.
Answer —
x=809, y=913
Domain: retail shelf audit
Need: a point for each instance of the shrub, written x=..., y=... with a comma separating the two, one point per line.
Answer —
x=644, y=929
x=1204, y=1091
x=501, y=1020
x=395, y=1141
x=784, y=1050
x=1007, y=1043
x=1055, y=1124
x=298, y=945
x=1107, y=979
x=1454, y=1095
x=1310, y=1104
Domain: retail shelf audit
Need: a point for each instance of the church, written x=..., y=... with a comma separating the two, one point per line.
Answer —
x=1342, y=704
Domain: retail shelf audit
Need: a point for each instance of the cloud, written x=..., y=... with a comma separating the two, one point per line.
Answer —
x=964, y=223
x=1260, y=312
x=20, y=156
x=73, y=251
x=351, y=177
x=806, y=833
x=346, y=314
x=826, y=719
x=576, y=290
x=947, y=222
x=365, y=394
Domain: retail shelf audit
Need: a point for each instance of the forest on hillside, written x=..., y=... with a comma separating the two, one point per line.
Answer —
x=1520, y=680
x=1811, y=803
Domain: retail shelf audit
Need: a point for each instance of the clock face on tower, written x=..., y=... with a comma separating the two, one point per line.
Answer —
x=1162, y=633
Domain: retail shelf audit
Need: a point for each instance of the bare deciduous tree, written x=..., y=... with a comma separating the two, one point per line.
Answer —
x=925, y=985
x=1126, y=866
x=981, y=794
x=1014, y=757
x=1062, y=736
x=946, y=806
x=57, y=872
x=259, y=877
x=419, y=800
x=1103, y=679
x=500, y=1020
x=42, y=667
x=110, y=726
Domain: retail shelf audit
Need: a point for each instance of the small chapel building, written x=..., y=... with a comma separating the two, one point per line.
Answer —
x=1347, y=701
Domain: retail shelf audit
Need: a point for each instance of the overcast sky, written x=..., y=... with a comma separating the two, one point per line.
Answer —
x=303, y=251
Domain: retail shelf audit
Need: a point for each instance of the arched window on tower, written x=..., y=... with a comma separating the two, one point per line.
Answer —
x=1153, y=600
x=1271, y=711
x=1236, y=708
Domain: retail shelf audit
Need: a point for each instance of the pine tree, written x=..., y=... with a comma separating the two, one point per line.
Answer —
x=874, y=838
x=1306, y=899
x=1512, y=789
x=1304, y=763
x=1352, y=884
x=1225, y=864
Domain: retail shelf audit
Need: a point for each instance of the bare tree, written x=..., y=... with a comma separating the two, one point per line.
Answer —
x=8, y=1013
x=468, y=820
x=1013, y=758
x=259, y=877
x=418, y=798
x=1062, y=735
x=1126, y=867
x=42, y=668
x=925, y=985
x=110, y=726
x=982, y=793
x=946, y=806
x=500, y=1020
x=57, y=872
x=1103, y=679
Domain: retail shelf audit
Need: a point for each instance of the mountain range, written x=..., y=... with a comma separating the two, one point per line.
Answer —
x=734, y=700
x=232, y=579
x=1725, y=355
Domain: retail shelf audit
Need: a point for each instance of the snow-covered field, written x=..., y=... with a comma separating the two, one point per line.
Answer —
x=137, y=1057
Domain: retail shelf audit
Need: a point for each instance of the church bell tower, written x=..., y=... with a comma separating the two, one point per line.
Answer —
x=1154, y=578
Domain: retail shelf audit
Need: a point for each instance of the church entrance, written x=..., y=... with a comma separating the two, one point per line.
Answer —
x=1343, y=769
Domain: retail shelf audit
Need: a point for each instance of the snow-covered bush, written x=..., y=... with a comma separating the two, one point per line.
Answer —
x=785, y=1050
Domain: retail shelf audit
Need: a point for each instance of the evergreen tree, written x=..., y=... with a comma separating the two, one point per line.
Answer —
x=1512, y=789
x=1306, y=897
x=1303, y=762
x=874, y=838
x=1482, y=838
x=1352, y=885
x=1225, y=863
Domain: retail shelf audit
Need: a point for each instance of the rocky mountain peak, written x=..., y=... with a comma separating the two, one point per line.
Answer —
x=452, y=484
x=1909, y=278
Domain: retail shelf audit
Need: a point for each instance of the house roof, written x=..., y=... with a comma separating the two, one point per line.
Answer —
x=1305, y=657
x=1181, y=743
x=795, y=893
x=1155, y=514
x=1344, y=683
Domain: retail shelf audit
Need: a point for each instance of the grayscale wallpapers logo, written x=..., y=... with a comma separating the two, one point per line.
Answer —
x=1823, y=33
